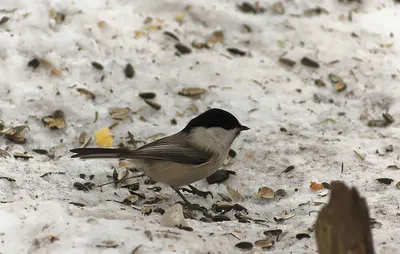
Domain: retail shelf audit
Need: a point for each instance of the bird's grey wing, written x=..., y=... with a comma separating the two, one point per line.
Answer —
x=165, y=150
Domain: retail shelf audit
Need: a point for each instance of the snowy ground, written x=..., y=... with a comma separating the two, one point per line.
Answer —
x=261, y=92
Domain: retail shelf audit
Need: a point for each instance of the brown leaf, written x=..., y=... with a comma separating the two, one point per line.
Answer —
x=343, y=226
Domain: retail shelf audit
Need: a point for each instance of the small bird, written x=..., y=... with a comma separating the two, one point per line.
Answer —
x=183, y=158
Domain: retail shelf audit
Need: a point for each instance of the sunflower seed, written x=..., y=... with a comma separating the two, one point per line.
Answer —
x=97, y=65
x=244, y=245
x=302, y=235
x=386, y=181
x=236, y=51
x=129, y=71
x=287, y=61
x=183, y=49
x=309, y=62
x=148, y=95
x=34, y=63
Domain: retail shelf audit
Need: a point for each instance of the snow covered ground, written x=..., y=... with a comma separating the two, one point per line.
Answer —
x=323, y=126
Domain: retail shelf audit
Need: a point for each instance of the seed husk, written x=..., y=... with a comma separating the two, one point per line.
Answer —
x=153, y=104
x=398, y=185
x=309, y=62
x=34, y=63
x=107, y=244
x=386, y=181
x=265, y=192
x=319, y=83
x=97, y=65
x=315, y=11
x=334, y=78
x=146, y=211
x=221, y=217
x=234, y=193
x=236, y=51
x=224, y=197
x=244, y=245
x=302, y=235
x=4, y=20
x=129, y=71
x=340, y=86
x=15, y=134
x=82, y=138
x=87, y=93
x=377, y=123
x=192, y=91
x=240, y=208
x=287, y=61
x=393, y=167
x=182, y=48
x=4, y=154
x=388, y=117
x=172, y=35
x=119, y=113
x=130, y=200
x=219, y=176
x=217, y=36
x=147, y=95
x=389, y=148
x=264, y=243
x=284, y=217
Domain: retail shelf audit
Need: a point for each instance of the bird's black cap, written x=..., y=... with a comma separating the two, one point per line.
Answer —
x=215, y=117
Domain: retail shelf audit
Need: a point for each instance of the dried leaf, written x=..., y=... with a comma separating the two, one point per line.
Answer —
x=265, y=192
x=234, y=193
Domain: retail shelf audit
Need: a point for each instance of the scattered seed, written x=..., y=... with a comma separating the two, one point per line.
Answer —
x=153, y=104
x=146, y=211
x=52, y=173
x=183, y=49
x=393, y=167
x=334, y=78
x=220, y=176
x=234, y=193
x=186, y=228
x=148, y=95
x=222, y=206
x=77, y=204
x=232, y=153
x=192, y=91
x=302, y=235
x=119, y=113
x=287, y=61
x=340, y=86
x=170, y=34
x=244, y=245
x=388, y=117
x=273, y=232
x=398, y=185
x=130, y=200
x=264, y=243
x=15, y=134
x=386, y=181
x=284, y=217
x=4, y=20
x=107, y=244
x=288, y=169
x=129, y=71
x=152, y=201
x=217, y=36
x=265, y=192
x=240, y=208
x=389, y=148
x=87, y=93
x=315, y=11
x=91, y=177
x=34, y=63
x=80, y=186
x=4, y=154
x=236, y=51
x=225, y=197
x=280, y=192
x=199, y=45
x=55, y=121
x=22, y=156
x=97, y=65
x=309, y=62
x=326, y=185
x=83, y=176
x=319, y=83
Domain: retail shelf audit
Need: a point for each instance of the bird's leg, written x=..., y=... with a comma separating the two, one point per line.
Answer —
x=198, y=192
x=183, y=197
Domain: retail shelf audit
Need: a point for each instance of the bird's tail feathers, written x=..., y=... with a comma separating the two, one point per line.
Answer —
x=99, y=153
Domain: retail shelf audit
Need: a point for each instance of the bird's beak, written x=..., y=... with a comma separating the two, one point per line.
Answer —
x=244, y=128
